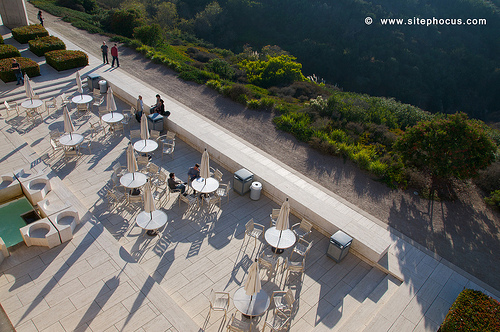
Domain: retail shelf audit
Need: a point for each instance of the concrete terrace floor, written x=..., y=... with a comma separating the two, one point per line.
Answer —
x=116, y=278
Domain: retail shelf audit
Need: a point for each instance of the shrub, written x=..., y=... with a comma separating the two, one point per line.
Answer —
x=151, y=35
x=472, y=311
x=237, y=92
x=489, y=179
x=220, y=67
x=40, y=46
x=275, y=71
x=8, y=51
x=196, y=75
x=64, y=59
x=26, y=33
x=28, y=66
x=493, y=199
x=80, y=5
x=1, y=39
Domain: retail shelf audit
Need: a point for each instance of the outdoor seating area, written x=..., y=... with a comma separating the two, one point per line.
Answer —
x=197, y=256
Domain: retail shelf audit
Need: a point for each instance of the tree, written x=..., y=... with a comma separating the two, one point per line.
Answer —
x=447, y=146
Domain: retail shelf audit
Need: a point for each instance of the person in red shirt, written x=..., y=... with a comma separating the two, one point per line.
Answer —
x=114, y=54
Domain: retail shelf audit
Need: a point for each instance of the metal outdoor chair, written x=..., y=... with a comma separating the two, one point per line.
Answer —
x=219, y=301
x=273, y=217
x=254, y=230
x=302, y=229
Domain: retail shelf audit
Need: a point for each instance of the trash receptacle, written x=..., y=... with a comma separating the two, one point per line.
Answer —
x=103, y=86
x=339, y=246
x=93, y=81
x=155, y=122
x=241, y=181
x=255, y=190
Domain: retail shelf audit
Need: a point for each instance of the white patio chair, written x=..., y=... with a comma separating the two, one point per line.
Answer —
x=267, y=259
x=283, y=301
x=302, y=229
x=189, y=200
x=274, y=216
x=218, y=175
x=219, y=301
x=50, y=104
x=223, y=190
x=302, y=247
x=154, y=134
x=254, y=230
x=278, y=321
x=239, y=325
x=167, y=149
x=11, y=106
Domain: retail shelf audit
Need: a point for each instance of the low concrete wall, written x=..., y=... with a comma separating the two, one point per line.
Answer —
x=279, y=182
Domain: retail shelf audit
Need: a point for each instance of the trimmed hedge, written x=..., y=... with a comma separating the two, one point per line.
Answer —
x=28, y=32
x=64, y=59
x=8, y=51
x=28, y=66
x=40, y=46
x=472, y=311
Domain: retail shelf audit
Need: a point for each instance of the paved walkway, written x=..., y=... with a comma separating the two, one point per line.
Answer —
x=200, y=249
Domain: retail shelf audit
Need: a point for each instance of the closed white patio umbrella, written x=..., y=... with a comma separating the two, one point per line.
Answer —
x=28, y=88
x=205, y=165
x=131, y=161
x=110, y=101
x=253, y=284
x=79, y=83
x=144, y=127
x=68, y=124
x=149, y=202
x=283, y=222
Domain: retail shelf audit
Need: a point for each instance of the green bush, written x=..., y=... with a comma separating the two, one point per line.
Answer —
x=40, y=46
x=26, y=33
x=196, y=75
x=1, y=39
x=64, y=59
x=8, y=51
x=274, y=71
x=28, y=66
x=472, y=311
x=493, y=199
x=151, y=35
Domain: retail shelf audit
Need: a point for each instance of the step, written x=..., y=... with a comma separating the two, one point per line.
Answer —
x=389, y=309
x=351, y=301
x=370, y=306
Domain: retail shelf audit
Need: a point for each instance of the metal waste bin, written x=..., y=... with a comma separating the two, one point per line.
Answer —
x=93, y=81
x=255, y=190
x=241, y=181
x=155, y=122
x=103, y=86
x=339, y=246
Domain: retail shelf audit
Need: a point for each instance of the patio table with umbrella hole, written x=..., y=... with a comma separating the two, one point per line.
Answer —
x=145, y=145
x=251, y=300
x=281, y=237
x=70, y=139
x=132, y=179
x=150, y=219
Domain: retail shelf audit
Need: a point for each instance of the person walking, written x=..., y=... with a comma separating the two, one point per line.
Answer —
x=104, y=49
x=16, y=68
x=114, y=54
x=40, y=18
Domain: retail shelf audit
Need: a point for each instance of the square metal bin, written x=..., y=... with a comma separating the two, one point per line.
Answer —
x=93, y=81
x=242, y=181
x=339, y=246
x=155, y=122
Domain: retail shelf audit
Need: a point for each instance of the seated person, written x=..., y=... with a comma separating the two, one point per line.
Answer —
x=155, y=108
x=174, y=183
x=194, y=172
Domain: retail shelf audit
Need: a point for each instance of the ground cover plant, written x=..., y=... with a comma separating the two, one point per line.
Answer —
x=64, y=59
x=42, y=45
x=472, y=311
x=28, y=66
x=29, y=32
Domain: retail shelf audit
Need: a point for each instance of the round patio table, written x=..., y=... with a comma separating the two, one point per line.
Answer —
x=151, y=221
x=279, y=240
x=82, y=99
x=132, y=181
x=30, y=104
x=205, y=186
x=251, y=306
x=112, y=117
x=145, y=146
x=71, y=140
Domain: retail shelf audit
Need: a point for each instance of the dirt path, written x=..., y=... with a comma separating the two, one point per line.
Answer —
x=464, y=232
